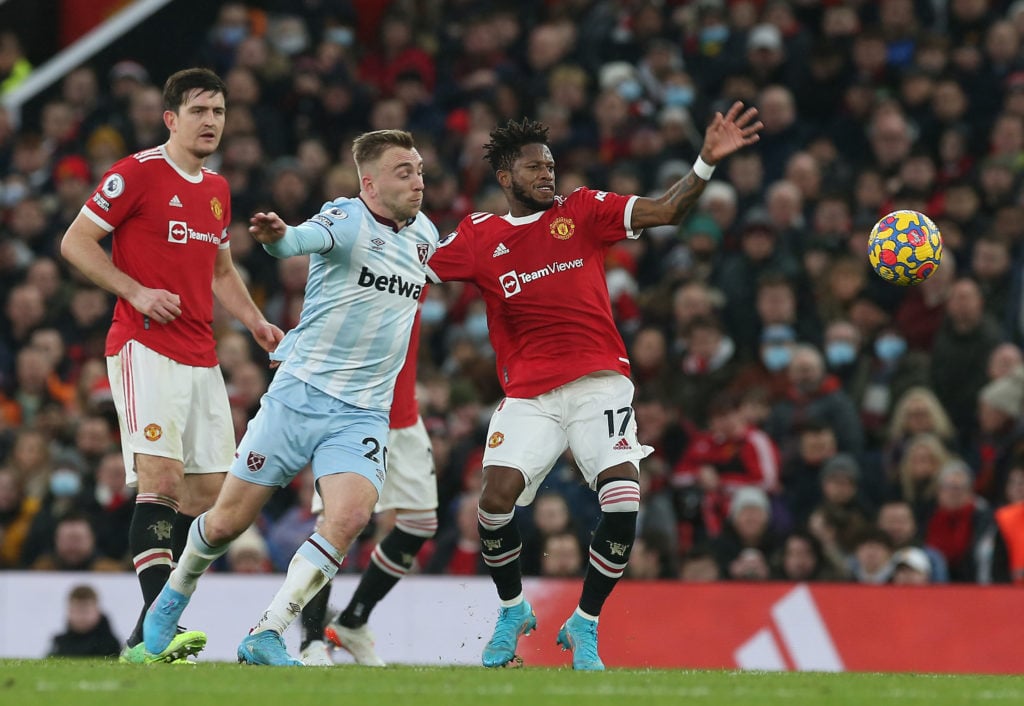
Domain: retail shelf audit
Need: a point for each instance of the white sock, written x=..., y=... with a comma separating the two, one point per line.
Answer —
x=196, y=558
x=314, y=564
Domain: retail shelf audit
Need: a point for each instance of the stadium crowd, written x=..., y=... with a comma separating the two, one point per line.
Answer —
x=810, y=421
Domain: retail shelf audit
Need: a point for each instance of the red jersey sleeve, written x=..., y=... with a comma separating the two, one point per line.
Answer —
x=454, y=260
x=610, y=214
x=117, y=196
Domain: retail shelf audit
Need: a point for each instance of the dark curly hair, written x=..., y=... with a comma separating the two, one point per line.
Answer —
x=507, y=142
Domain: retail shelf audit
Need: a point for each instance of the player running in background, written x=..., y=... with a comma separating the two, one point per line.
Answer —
x=330, y=399
x=169, y=218
x=410, y=490
x=560, y=358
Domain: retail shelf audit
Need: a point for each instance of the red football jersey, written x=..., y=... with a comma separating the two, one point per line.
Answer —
x=167, y=227
x=543, y=281
x=404, y=408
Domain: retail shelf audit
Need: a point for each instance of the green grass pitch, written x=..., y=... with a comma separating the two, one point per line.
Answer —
x=106, y=683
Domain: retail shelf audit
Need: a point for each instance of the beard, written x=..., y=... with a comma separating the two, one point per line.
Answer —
x=520, y=195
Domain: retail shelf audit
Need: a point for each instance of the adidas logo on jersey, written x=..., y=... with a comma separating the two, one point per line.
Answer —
x=623, y=445
x=395, y=284
x=500, y=250
x=175, y=201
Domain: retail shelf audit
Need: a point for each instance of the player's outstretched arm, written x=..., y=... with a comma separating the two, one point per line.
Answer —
x=282, y=240
x=725, y=135
x=81, y=247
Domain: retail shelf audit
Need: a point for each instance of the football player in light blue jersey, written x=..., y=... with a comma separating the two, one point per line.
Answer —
x=329, y=402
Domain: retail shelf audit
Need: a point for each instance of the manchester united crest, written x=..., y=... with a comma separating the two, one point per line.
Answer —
x=153, y=432
x=563, y=228
x=255, y=461
x=217, y=207
x=497, y=438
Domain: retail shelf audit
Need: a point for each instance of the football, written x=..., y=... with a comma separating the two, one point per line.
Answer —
x=905, y=247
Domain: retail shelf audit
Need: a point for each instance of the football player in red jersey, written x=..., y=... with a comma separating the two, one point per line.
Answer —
x=560, y=358
x=168, y=216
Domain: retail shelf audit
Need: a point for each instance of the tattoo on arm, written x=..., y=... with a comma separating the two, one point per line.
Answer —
x=683, y=195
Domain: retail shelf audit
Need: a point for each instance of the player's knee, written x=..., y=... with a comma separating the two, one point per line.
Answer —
x=221, y=528
x=341, y=531
x=501, y=488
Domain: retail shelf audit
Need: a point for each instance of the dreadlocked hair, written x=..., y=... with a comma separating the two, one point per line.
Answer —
x=507, y=142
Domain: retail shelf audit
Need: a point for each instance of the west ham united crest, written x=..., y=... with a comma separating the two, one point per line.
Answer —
x=422, y=250
x=255, y=461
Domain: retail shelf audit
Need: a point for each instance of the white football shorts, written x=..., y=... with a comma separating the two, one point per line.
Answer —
x=168, y=409
x=592, y=416
x=411, y=482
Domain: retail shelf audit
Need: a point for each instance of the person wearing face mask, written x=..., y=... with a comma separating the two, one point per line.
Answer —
x=768, y=371
x=813, y=393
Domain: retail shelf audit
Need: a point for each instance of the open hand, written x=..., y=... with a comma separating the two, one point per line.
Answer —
x=730, y=132
x=266, y=227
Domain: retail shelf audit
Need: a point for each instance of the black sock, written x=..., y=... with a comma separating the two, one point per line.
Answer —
x=179, y=535
x=150, y=538
x=501, y=545
x=314, y=616
x=609, y=553
x=390, y=561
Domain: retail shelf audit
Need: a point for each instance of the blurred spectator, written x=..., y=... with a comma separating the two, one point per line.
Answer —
x=960, y=356
x=74, y=548
x=1000, y=409
x=729, y=456
x=872, y=557
x=925, y=455
x=916, y=411
x=708, y=367
x=748, y=529
x=961, y=525
x=561, y=556
x=650, y=558
x=88, y=631
x=248, y=554
x=458, y=546
x=896, y=519
x=803, y=559
x=699, y=566
x=1008, y=550
x=16, y=513
x=801, y=475
x=842, y=499
x=910, y=567
x=813, y=393
x=14, y=66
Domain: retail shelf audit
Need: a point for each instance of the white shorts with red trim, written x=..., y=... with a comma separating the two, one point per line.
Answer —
x=591, y=416
x=168, y=409
x=411, y=482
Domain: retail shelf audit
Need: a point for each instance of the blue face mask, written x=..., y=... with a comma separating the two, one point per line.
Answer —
x=476, y=327
x=679, y=96
x=775, y=358
x=890, y=348
x=432, y=312
x=65, y=483
x=232, y=36
x=715, y=34
x=340, y=35
x=630, y=90
x=840, y=353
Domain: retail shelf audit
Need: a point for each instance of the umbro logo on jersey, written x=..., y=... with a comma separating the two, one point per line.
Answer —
x=175, y=201
x=378, y=244
x=623, y=445
x=500, y=250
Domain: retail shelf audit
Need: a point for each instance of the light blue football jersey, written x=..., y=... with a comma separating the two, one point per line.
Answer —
x=361, y=296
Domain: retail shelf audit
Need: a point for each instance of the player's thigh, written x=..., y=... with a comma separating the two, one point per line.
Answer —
x=152, y=396
x=208, y=439
x=356, y=443
x=526, y=434
x=600, y=424
x=278, y=442
x=411, y=481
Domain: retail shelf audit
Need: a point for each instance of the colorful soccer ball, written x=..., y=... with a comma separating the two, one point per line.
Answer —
x=905, y=247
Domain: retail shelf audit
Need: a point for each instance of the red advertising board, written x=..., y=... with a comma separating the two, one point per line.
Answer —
x=819, y=627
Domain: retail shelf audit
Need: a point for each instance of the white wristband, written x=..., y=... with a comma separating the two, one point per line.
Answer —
x=702, y=169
